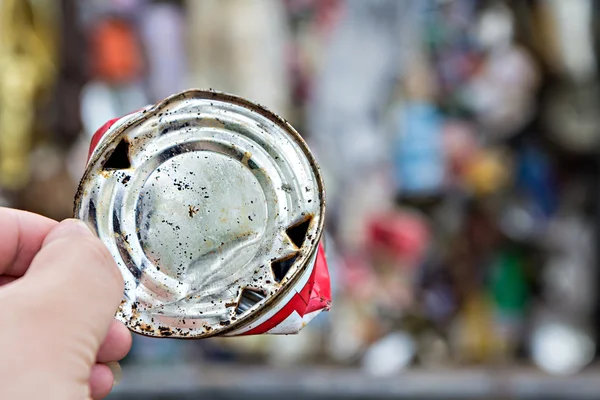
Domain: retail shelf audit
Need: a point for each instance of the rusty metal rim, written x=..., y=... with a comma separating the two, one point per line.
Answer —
x=255, y=107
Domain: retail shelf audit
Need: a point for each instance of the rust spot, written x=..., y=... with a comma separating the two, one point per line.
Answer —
x=145, y=327
x=193, y=210
x=213, y=123
x=243, y=235
x=165, y=331
x=247, y=156
x=135, y=313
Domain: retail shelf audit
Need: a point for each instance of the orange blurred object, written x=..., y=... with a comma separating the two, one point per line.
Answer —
x=489, y=171
x=116, y=53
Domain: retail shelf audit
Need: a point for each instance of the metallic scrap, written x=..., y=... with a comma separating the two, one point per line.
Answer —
x=195, y=198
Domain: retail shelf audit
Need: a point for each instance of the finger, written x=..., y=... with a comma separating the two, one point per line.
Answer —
x=5, y=279
x=101, y=381
x=79, y=279
x=21, y=237
x=69, y=294
x=116, y=345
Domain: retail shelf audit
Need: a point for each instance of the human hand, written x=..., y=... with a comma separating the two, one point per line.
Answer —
x=59, y=290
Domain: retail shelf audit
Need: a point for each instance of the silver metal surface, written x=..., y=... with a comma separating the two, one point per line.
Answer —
x=195, y=198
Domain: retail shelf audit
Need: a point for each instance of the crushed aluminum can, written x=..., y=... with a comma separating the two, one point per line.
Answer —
x=213, y=208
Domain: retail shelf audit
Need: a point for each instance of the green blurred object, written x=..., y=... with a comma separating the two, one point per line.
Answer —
x=508, y=284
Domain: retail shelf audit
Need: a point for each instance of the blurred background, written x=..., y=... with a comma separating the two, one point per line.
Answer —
x=460, y=144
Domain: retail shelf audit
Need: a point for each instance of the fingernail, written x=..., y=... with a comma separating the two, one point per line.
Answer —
x=117, y=372
x=73, y=226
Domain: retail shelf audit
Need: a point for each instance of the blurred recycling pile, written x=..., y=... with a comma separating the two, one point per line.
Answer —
x=459, y=142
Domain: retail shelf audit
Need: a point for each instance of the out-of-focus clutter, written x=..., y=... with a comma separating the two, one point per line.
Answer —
x=458, y=139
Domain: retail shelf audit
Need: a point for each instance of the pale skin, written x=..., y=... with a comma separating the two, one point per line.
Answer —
x=59, y=289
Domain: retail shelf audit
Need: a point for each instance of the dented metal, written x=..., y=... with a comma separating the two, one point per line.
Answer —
x=213, y=208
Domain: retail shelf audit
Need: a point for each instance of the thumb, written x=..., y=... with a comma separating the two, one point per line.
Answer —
x=63, y=307
x=79, y=280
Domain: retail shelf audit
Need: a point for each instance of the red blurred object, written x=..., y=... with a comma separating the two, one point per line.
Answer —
x=99, y=134
x=401, y=235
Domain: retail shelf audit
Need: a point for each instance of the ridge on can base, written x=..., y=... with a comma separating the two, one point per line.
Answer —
x=213, y=208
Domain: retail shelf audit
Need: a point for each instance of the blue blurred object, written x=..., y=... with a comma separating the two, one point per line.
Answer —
x=535, y=177
x=419, y=155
